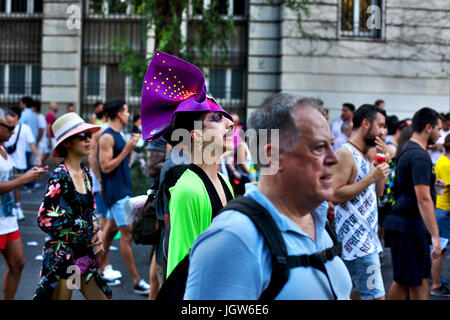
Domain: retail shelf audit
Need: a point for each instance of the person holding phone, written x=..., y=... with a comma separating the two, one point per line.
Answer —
x=11, y=246
x=73, y=244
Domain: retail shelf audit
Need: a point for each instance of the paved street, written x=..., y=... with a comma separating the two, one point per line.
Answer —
x=30, y=276
x=31, y=233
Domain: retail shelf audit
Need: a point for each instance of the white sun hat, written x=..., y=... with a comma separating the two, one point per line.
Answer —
x=68, y=125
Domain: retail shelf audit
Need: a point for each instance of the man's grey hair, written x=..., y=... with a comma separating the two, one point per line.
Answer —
x=277, y=112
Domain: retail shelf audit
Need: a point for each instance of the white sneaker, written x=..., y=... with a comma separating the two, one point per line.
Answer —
x=142, y=287
x=18, y=212
x=114, y=273
x=113, y=283
x=110, y=275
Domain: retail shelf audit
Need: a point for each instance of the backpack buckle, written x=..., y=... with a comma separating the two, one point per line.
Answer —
x=322, y=256
x=282, y=261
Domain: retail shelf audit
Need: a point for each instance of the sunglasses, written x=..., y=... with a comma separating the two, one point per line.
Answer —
x=10, y=128
x=84, y=135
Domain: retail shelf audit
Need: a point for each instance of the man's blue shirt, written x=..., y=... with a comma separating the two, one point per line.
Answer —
x=30, y=118
x=230, y=260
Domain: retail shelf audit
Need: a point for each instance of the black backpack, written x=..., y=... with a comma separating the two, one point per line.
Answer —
x=175, y=285
x=146, y=229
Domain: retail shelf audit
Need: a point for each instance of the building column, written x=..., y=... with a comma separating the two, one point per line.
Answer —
x=264, y=52
x=61, y=53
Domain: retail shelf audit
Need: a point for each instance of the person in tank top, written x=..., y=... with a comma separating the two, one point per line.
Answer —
x=356, y=184
x=114, y=162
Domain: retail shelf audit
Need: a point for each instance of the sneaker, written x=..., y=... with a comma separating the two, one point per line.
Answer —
x=443, y=291
x=113, y=283
x=142, y=287
x=110, y=275
x=18, y=212
x=115, y=274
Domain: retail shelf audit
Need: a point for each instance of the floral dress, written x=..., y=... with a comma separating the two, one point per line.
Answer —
x=69, y=225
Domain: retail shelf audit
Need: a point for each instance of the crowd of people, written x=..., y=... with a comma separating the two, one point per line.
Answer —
x=314, y=228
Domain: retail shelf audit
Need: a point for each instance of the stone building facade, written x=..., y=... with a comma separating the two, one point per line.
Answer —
x=350, y=51
x=404, y=59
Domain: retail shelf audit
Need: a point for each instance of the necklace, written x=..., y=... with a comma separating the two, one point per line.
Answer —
x=356, y=147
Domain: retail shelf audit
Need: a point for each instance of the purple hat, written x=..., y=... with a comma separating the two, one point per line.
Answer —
x=172, y=85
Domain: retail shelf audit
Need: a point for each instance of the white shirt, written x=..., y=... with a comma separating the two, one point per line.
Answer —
x=435, y=154
x=18, y=158
x=336, y=130
x=8, y=222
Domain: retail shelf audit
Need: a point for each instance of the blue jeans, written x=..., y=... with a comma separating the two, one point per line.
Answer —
x=117, y=212
x=366, y=276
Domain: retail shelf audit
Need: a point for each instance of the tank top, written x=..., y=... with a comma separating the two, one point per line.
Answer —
x=356, y=220
x=116, y=184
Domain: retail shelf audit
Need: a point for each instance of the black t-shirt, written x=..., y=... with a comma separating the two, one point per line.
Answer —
x=414, y=167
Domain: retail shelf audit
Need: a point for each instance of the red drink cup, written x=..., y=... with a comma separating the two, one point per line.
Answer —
x=380, y=158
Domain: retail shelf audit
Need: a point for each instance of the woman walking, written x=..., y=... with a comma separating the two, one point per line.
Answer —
x=11, y=247
x=74, y=239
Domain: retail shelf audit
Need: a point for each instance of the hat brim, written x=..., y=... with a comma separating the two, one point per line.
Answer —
x=82, y=127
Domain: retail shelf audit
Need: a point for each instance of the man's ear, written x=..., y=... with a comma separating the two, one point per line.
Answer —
x=428, y=127
x=196, y=135
x=272, y=157
x=365, y=124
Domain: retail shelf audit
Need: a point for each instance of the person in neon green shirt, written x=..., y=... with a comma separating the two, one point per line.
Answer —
x=202, y=190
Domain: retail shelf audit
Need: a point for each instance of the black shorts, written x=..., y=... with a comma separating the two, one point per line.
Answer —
x=410, y=254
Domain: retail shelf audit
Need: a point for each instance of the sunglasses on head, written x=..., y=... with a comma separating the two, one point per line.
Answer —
x=10, y=128
x=84, y=135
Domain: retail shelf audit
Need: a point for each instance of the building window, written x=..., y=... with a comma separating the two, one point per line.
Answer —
x=117, y=7
x=21, y=6
x=217, y=83
x=36, y=75
x=237, y=83
x=224, y=7
x=95, y=6
x=17, y=79
x=227, y=85
x=361, y=18
x=114, y=7
x=239, y=8
x=221, y=7
x=38, y=6
x=20, y=80
x=95, y=79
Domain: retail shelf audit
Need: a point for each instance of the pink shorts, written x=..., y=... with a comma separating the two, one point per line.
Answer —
x=9, y=237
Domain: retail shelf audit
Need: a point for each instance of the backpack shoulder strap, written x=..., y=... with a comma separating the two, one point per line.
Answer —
x=267, y=226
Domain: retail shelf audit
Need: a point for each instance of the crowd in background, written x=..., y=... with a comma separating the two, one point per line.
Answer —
x=33, y=142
